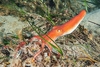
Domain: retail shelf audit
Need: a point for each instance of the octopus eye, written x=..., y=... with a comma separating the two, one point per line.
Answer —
x=58, y=31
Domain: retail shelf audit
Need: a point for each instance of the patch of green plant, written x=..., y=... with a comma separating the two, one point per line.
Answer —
x=50, y=19
x=2, y=57
x=86, y=5
x=15, y=36
x=7, y=1
x=6, y=40
x=74, y=61
x=88, y=47
x=43, y=10
x=96, y=3
x=13, y=6
x=22, y=12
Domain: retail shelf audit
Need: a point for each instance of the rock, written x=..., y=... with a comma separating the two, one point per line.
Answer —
x=11, y=24
x=93, y=16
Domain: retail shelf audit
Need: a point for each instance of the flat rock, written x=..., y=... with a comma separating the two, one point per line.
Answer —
x=11, y=24
x=93, y=16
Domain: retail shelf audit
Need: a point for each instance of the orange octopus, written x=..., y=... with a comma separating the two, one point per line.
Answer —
x=53, y=34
